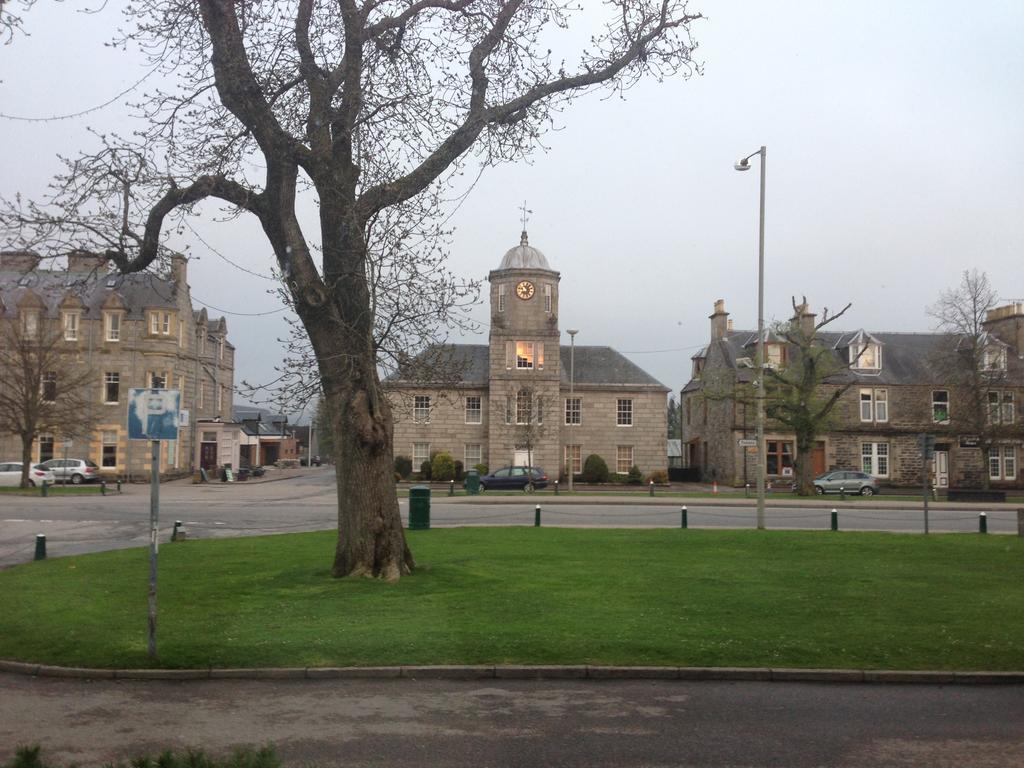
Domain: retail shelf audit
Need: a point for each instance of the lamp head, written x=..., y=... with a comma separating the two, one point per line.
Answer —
x=742, y=165
x=572, y=332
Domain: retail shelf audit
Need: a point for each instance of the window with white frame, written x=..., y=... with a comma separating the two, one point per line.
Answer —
x=623, y=459
x=993, y=358
x=30, y=323
x=421, y=409
x=420, y=453
x=474, y=410
x=866, y=356
x=1000, y=407
x=474, y=455
x=775, y=355
x=874, y=405
x=574, y=459
x=49, y=387
x=524, y=407
x=111, y=387
x=573, y=410
x=547, y=298
x=71, y=325
x=508, y=409
x=874, y=459
x=940, y=406
x=501, y=297
x=1002, y=462
x=108, y=458
x=524, y=355
x=157, y=380
x=112, y=326
x=624, y=412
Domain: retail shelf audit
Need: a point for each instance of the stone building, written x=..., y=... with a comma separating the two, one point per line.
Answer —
x=525, y=396
x=136, y=330
x=898, y=392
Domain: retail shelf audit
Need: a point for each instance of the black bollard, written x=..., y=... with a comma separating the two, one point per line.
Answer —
x=683, y=522
x=40, y=546
x=536, y=517
x=835, y=520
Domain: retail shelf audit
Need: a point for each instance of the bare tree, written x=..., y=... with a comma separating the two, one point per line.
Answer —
x=365, y=107
x=43, y=387
x=973, y=363
x=529, y=421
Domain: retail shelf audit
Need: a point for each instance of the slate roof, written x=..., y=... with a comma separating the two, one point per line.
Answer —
x=907, y=358
x=594, y=366
x=139, y=291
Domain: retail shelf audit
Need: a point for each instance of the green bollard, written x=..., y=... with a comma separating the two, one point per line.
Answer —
x=536, y=517
x=835, y=520
x=651, y=486
x=683, y=522
x=103, y=487
x=556, y=487
x=119, y=485
x=982, y=522
x=746, y=490
x=451, y=487
x=842, y=492
x=40, y=546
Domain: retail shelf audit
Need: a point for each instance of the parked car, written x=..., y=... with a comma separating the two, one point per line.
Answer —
x=519, y=478
x=846, y=480
x=10, y=474
x=75, y=471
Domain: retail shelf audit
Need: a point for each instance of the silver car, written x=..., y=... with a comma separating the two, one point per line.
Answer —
x=10, y=474
x=75, y=471
x=846, y=481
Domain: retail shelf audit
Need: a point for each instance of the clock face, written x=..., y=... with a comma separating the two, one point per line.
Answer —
x=524, y=290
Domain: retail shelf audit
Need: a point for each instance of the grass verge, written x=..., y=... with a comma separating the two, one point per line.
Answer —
x=53, y=490
x=538, y=596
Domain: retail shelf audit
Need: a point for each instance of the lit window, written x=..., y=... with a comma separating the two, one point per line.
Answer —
x=775, y=355
x=524, y=355
x=940, y=406
x=624, y=413
x=994, y=358
x=574, y=459
x=421, y=409
x=866, y=356
x=623, y=459
x=474, y=410
x=573, y=410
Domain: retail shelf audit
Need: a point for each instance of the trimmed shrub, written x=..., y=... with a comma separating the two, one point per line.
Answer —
x=595, y=470
x=403, y=466
x=481, y=468
x=658, y=477
x=443, y=467
x=635, y=476
x=459, y=473
x=425, y=470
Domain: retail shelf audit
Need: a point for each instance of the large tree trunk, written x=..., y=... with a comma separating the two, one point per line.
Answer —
x=26, y=459
x=804, y=459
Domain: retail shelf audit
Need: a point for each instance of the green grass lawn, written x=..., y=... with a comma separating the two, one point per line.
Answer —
x=538, y=596
x=55, y=490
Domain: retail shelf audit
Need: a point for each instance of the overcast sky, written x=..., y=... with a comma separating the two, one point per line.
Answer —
x=895, y=136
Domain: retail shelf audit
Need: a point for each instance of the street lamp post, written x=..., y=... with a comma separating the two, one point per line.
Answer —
x=744, y=165
x=572, y=384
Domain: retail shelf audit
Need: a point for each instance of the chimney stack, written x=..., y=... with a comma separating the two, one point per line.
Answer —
x=19, y=261
x=719, y=321
x=179, y=271
x=1007, y=324
x=84, y=262
x=805, y=318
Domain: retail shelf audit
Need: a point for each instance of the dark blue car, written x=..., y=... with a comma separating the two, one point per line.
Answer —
x=517, y=478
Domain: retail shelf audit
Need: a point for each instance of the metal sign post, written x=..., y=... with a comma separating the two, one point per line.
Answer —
x=154, y=415
x=927, y=443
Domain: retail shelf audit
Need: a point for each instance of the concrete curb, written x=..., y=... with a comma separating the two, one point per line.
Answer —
x=527, y=672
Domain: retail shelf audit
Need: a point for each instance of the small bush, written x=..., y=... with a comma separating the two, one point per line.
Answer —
x=658, y=477
x=443, y=467
x=635, y=476
x=595, y=470
x=403, y=466
x=425, y=470
x=459, y=473
x=481, y=468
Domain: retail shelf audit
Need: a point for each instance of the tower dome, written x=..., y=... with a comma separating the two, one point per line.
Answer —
x=524, y=256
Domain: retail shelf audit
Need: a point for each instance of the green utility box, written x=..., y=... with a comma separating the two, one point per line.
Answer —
x=419, y=508
x=473, y=482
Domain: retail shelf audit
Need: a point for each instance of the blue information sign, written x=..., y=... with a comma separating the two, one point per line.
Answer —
x=153, y=414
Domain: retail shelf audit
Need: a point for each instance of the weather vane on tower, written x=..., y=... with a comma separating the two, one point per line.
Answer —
x=526, y=218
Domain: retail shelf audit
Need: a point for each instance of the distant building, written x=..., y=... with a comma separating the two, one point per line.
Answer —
x=897, y=393
x=525, y=392
x=136, y=330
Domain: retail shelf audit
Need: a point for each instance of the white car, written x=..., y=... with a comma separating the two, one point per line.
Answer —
x=10, y=474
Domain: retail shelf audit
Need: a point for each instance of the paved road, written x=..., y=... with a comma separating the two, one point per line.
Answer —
x=77, y=524
x=520, y=723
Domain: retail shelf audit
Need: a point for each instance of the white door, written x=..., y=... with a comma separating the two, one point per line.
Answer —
x=521, y=457
x=942, y=469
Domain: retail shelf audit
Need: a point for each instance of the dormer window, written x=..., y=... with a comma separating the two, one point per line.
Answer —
x=866, y=356
x=71, y=326
x=993, y=358
x=30, y=323
x=775, y=355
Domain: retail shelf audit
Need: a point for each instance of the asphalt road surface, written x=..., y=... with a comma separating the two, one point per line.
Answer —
x=476, y=724
x=79, y=524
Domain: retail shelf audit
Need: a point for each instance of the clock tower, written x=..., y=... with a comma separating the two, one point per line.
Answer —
x=525, y=365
